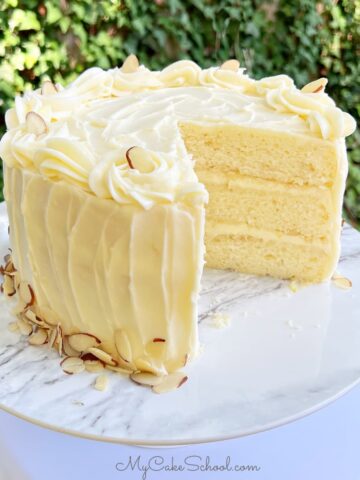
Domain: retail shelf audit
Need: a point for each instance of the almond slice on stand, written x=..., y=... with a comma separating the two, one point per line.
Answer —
x=82, y=341
x=39, y=337
x=170, y=382
x=147, y=379
x=103, y=356
x=101, y=383
x=72, y=365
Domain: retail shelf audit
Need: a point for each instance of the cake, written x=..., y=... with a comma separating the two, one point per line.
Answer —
x=107, y=182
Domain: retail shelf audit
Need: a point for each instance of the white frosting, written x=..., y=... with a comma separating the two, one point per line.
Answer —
x=93, y=121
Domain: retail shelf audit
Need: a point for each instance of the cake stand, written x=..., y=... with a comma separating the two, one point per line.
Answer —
x=284, y=355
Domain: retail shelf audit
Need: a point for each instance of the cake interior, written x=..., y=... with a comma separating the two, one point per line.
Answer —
x=274, y=199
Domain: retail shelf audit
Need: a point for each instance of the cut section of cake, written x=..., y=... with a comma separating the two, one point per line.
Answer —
x=106, y=182
x=275, y=200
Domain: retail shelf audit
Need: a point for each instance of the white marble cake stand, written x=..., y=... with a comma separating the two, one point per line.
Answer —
x=284, y=355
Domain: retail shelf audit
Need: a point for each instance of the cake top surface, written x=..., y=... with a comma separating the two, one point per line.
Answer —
x=114, y=133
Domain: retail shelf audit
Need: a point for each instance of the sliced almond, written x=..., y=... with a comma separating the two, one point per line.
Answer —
x=131, y=64
x=148, y=379
x=123, y=346
x=68, y=350
x=16, y=279
x=8, y=286
x=186, y=358
x=170, y=382
x=35, y=123
x=117, y=369
x=144, y=364
x=103, y=356
x=39, y=337
x=341, y=282
x=48, y=88
x=101, y=383
x=59, y=340
x=33, y=318
x=316, y=86
x=156, y=340
x=72, y=365
x=26, y=293
x=24, y=327
x=94, y=366
x=53, y=336
x=83, y=341
x=231, y=64
x=9, y=267
x=139, y=159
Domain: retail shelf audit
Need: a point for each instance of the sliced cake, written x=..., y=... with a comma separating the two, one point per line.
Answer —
x=106, y=182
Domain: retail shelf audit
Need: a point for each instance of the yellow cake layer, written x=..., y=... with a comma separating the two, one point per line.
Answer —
x=270, y=256
x=274, y=199
x=265, y=204
x=268, y=154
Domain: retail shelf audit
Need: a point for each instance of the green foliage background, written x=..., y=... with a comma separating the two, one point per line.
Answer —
x=303, y=38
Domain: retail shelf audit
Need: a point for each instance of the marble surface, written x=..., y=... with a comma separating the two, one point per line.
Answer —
x=284, y=355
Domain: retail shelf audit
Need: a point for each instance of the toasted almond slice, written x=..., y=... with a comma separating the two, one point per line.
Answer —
x=131, y=64
x=83, y=341
x=129, y=366
x=48, y=88
x=24, y=327
x=126, y=371
x=68, y=350
x=316, y=86
x=123, y=346
x=157, y=339
x=170, y=382
x=35, y=123
x=13, y=327
x=94, y=366
x=59, y=339
x=16, y=279
x=139, y=159
x=9, y=267
x=101, y=355
x=39, y=337
x=341, y=282
x=33, y=318
x=72, y=365
x=53, y=336
x=26, y=293
x=231, y=64
x=101, y=383
x=145, y=365
x=148, y=379
x=186, y=358
x=8, y=286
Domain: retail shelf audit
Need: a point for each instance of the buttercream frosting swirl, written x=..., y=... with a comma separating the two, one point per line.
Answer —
x=92, y=122
x=162, y=179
